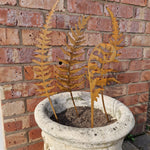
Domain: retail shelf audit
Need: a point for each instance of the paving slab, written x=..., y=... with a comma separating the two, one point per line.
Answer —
x=128, y=146
x=142, y=142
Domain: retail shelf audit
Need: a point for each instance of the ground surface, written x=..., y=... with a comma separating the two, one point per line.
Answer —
x=141, y=143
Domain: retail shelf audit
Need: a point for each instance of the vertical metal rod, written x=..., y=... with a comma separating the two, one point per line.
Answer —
x=74, y=104
x=104, y=106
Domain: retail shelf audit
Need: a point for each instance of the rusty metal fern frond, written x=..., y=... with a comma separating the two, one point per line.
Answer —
x=43, y=71
x=103, y=54
x=116, y=38
x=68, y=82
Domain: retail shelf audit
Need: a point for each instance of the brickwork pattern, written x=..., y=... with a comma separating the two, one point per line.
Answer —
x=20, y=22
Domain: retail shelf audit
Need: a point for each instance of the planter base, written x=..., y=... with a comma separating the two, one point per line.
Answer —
x=51, y=143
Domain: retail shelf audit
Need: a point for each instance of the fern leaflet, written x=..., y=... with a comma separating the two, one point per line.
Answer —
x=68, y=81
x=43, y=70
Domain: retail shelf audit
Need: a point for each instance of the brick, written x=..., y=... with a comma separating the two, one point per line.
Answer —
x=141, y=118
x=91, y=39
x=30, y=19
x=141, y=40
x=16, y=55
x=126, y=39
x=129, y=100
x=46, y=4
x=99, y=24
x=53, y=20
x=146, y=64
x=85, y=7
x=14, y=17
x=81, y=87
x=138, y=88
x=31, y=4
x=32, y=103
x=138, y=129
x=66, y=21
x=13, y=108
x=57, y=38
x=139, y=64
x=119, y=66
x=136, y=65
x=113, y=0
x=148, y=3
x=80, y=65
x=148, y=27
x=31, y=75
x=61, y=21
x=55, y=53
x=30, y=36
x=12, y=126
x=132, y=26
x=125, y=78
x=144, y=98
x=3, y=56
x=6, y=36
x=34, y=134
x=25, y=55
x=18, y=90
x=139, y=109
x=146, y=53
x=26, y=121
x=19, y=123
x=130, y=53
x=8, y=2
x=16, y=139
x=145, y=76
x=3, y=16
x=32, y=121
x=142, y=13
x=8, y=91
x=8, y=74
x=115, y=91
x=8, y=17
x=135, y=2
x=122, y=11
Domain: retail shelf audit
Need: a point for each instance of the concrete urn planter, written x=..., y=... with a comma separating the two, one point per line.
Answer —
x=60, y=137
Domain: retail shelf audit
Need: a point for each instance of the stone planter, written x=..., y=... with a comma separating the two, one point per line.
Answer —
x=60, y=137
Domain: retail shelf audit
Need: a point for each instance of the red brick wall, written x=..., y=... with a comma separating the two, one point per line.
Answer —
x=20, y=21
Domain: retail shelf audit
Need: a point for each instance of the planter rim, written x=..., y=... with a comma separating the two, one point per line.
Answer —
x=96, y=135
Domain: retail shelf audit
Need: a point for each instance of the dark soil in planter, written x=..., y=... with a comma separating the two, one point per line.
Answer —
x=69, y=118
